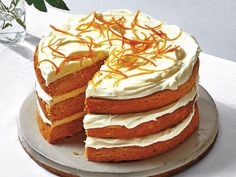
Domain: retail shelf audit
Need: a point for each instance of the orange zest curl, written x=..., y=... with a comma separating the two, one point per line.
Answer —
x=90, y=45
x=143, y=58
x=87, y=25
x=85, y=18
x=163, y=35
x=56, y=51
x=117, y=22
x=135, y=22
x=108, y=39
x=61, y=31
x=134, y=52
x=53, y=64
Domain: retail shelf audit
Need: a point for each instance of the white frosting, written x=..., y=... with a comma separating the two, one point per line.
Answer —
x=43, y=117
x=48, y=71
x=140, y=86
x=70, y=46
x=164, y=135
x=132, y=87
x=62, y=121
x=57, y=99
x=133, y=120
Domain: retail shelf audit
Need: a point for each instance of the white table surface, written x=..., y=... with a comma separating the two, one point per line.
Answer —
x=217, y=75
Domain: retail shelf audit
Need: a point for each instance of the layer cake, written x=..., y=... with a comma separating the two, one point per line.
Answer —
x=128, y=79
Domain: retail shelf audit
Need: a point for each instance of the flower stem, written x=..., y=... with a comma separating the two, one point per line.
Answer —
x=18, y=20
x=10, y=11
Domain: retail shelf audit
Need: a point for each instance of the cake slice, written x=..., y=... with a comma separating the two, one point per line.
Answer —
x=63, y=67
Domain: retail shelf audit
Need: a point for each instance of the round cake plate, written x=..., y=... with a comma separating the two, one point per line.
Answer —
x=67, y=157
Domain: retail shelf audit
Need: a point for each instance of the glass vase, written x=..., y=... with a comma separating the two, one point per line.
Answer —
x=12, y=20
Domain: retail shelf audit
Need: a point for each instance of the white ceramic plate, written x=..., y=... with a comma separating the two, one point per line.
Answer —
x=68, y=155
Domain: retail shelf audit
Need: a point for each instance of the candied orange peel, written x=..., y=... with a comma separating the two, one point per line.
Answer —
x=147, y=44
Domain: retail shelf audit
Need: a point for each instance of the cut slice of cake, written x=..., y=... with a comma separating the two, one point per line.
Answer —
x=63, y=66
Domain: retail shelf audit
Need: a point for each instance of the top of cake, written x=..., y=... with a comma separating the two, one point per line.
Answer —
x=142, y=55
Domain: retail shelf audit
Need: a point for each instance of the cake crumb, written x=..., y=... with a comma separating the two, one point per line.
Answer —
x=75, y=153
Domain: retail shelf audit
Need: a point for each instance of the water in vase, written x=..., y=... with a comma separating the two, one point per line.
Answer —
x=12, y=21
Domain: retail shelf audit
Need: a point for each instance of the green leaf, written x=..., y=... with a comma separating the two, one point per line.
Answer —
x=58, y=4
x=20, y=22
x=40, y=5
x=29, y=2
x=6, y=25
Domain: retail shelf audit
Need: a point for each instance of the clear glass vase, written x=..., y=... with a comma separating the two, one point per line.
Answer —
x=12, y=20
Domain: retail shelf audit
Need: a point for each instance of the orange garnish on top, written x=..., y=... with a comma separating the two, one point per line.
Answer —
x=134, y=53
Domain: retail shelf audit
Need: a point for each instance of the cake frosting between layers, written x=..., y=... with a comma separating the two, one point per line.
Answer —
x=133, y=120
x=175, y=72
x=59, y=122
x=50, y=100
x=164, y=135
